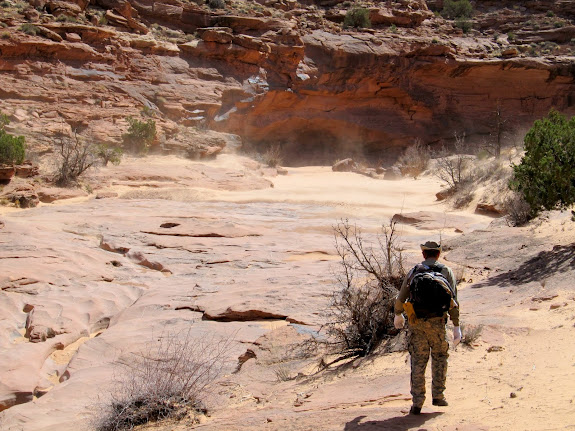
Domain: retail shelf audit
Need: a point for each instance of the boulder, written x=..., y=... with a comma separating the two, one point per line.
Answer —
x=26, y=170
x=443, y=194
x=51, y=194
x=408, y=17
x=73, y=37
x=23, y=195
x=216, y=34
x=49, y=34
x=489, y=209
x=60, y=7
x=6, y=173
x=345, y=165
x=393, y=173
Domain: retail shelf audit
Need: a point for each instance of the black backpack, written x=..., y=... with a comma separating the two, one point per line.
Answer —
x=429, y=291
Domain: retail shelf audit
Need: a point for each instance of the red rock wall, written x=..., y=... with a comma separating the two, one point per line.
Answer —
x=364, y=95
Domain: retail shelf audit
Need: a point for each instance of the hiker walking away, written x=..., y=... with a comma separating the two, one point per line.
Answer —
x=428, y=294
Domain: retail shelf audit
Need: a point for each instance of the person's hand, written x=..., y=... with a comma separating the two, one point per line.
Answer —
x=399, y=321
x=456, y=336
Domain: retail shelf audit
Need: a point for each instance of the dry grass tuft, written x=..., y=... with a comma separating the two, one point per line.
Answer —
x=471, y=334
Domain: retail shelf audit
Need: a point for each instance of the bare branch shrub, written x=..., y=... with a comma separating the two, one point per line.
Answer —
x=415, y=159
x=168, y=379
x=74, y=158
x=361, y=312
x=452, y=168
x=518, y=211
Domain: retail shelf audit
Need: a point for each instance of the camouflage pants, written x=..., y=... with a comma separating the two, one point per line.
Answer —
x=425, y=336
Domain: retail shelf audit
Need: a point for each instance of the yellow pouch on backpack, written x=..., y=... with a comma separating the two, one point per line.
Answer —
x=411, y=317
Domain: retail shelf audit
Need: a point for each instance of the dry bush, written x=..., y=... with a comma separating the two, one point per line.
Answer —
x=360, y=315
x=471, y=334
x=168, y=379
x=452, y=168
x=459, y=272
x=273, y=156
x=74, y=158
x=415, y=159
x=518, y=211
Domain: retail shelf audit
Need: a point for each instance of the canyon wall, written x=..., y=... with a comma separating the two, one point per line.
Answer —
x=284, y=74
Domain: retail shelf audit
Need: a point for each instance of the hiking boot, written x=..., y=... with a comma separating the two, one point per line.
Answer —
x=415, y=410
x=442, y=402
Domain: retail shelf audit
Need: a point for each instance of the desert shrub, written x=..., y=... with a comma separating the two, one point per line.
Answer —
x=30, y=29
x=453, y=9
x=273, y=156
x=140, y=135
x=5, y=35
x=12, y=148
x=518, y=211
x=216, y=4
x=464, y=24
x=75, y=157
x=545, y=177
x=66, y=18
x=360, y=315
x=282, y=373
x=168, y=379
x=4, y=120
x=109, y=154
x=450, y=168
x=415, y=159
x=357, y=17
x=470, y=334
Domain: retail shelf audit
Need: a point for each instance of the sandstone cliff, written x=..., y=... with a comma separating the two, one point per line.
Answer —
x=282, y=72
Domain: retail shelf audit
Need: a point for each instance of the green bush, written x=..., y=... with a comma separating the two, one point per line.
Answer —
x=216, y=4
x=357, y=17
x=109, y=154
x=463, y=24
x=140, y=134
x=546, y=175
x=30, y=29
x=12, y=148
x=453, y=9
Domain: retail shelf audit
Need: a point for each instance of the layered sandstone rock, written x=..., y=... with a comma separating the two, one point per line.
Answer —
x=299, y=80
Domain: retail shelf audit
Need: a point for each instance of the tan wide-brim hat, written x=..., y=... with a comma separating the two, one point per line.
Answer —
x=431, y=245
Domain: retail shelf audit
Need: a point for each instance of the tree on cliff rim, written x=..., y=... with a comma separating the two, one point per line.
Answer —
x=546, y=175
x=453, y=9
x=357, y=17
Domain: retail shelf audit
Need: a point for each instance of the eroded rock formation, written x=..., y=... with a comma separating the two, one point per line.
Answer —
x=283, y=73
